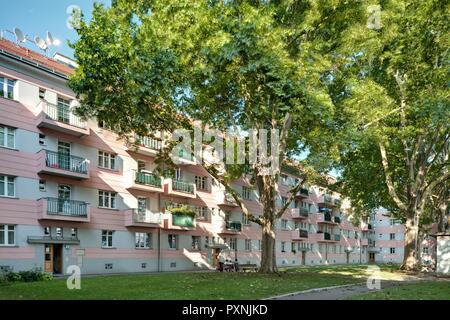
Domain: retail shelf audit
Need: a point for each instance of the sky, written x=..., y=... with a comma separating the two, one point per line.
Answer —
x=36, y=17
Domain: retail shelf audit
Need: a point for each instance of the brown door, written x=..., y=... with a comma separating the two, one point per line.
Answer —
x=48, y=263
x=371, y=257
x=303, y=253
x=57, y=258
x=348, y=257
x=216, y=258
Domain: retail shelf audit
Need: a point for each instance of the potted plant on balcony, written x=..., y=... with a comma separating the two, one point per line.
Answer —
x=183, y=215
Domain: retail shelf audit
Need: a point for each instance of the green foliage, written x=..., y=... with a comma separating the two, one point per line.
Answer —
x=25, y=276
x=183, y=211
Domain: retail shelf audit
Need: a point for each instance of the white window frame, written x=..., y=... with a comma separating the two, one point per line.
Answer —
x=245, y=219
x=196, y=243
x=107, y=198
x=6, y=84
x=105, y=160
x=7, y=131
x=4, y=228
x=142, y=240
x=233, y=244
x=201, y=183
x=283, y=246
x=248, y=245
x=107, y=237
x=246, y=193
x=6, y=181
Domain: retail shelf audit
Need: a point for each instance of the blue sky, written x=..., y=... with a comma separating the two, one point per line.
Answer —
x=36, y=17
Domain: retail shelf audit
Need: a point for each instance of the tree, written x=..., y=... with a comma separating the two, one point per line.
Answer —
x=392, y=88
x=228, y=64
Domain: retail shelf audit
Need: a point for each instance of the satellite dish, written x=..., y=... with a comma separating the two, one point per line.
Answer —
x=49, y=39
x=40, y=43
x=19, y=35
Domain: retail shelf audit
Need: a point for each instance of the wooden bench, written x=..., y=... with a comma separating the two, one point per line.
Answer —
x=248, y=266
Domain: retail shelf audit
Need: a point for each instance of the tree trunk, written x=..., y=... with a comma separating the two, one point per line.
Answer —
x=268, y=258
x=410, y=261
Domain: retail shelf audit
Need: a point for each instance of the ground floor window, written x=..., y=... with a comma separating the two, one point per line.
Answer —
x=143, y=240
x=196, y=243
x=7, y=235
x=173, y=241
x=107, y=238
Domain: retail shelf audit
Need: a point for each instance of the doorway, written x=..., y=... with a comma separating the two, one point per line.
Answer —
x=347, y=257
x=53, y=258
x=64, y=155
x=64, y=193
x=215, y=257
x=303, y=257
x=371, y=257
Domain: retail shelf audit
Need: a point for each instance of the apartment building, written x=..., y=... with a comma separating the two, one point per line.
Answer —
x=71, y=193
x=386, y=236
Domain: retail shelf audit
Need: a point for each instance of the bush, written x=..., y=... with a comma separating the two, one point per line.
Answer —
x=25, y=276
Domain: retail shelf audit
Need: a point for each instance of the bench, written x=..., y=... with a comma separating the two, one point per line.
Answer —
x=248, y=266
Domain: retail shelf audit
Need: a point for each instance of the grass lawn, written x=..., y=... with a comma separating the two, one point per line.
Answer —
x=193, y=285
x=431, y=290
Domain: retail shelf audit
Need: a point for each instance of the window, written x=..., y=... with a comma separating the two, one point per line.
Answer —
x=42, y=185
x=141, y=165
x=7, y=186
x=41, y=93
x=196, y=243
x=248, y=245
x=246, y=193
x=392, y=236
x=107, y=199
x=173, y=241
x=392, y=250
x=47, y=231
x=143, y=240
x=207, y=241
x=7, y=137
x=284, y=224
x=259, y=245
x=107, y=239
x=59, y=232
x=74, y=233
x=425, y=250
x=245, y=219
x=292, y=247
x=7, y=235
x=233, y=243
x=201, y=183
x=284, y=179
x=7, y=88
x=106, y=160
x=283, y=246
x=42, y=139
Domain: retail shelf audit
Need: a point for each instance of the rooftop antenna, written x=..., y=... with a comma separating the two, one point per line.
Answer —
x=49, y=39
x=41, y=43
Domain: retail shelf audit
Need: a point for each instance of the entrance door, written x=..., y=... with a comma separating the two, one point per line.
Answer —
x=348, y=257
x=371, y=257
x=57, y=258
x=64, y=198
x=215, y=258
x=303, y=253
x=63, y=110
x=64, y=155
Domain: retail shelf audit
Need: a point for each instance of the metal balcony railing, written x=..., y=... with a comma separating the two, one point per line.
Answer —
x=146, y=216
x=303, y=233
x=183, y=220
x=150, y=143
x=66, y=162
x=303, y=212
x=182, y=186
x=65, y=207
x=233, y=225
x=62, y=113
x=147, y=178
x=337, y=237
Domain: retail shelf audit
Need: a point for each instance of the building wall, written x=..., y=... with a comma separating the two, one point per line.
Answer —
x=25, y=113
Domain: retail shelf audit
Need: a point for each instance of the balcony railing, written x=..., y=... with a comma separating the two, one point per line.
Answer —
x=185, y=155
x=326, y=236
x=233, y=226
x=327, y=216
x=62, y=113
x=337, y=237
x=146, y=216
x=64, y=207
x=304, y=192
x=303, y=233
x=66, y=162
x=183, y=220
x=147, y=178
x=150, y=143
x=182, y=186
x=304, y=212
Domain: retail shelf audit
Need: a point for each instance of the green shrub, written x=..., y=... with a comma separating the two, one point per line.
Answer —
x=183, y=211
x=31, y=275
x=47, y=276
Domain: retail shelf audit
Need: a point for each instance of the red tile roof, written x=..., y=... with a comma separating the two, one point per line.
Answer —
x=34, y=56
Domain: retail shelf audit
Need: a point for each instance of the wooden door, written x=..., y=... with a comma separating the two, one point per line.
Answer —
x=348, y=257
x=48, y=258
x=303, y=253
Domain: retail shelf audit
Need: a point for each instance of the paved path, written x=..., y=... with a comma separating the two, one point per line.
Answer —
x=339, y=292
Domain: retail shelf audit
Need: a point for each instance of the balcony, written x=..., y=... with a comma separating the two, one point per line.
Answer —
x=146, y=146
x=59, y=164
x=61, y=118
x=184, y=157
x=181, y=188
x=327, y=237
x=299, y=213
x=326, y=218
x=303, y=193
x=142, y=218
x=226, y=199
x=326, y=201
x=299, y=234
x=337, y=219
x=145, y=181
x=63, y=210
x=231, y=227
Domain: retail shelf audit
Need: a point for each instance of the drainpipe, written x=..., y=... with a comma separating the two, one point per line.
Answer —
x=159, y=236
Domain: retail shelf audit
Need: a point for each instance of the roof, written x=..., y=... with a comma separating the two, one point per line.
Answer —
x=37, y=59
